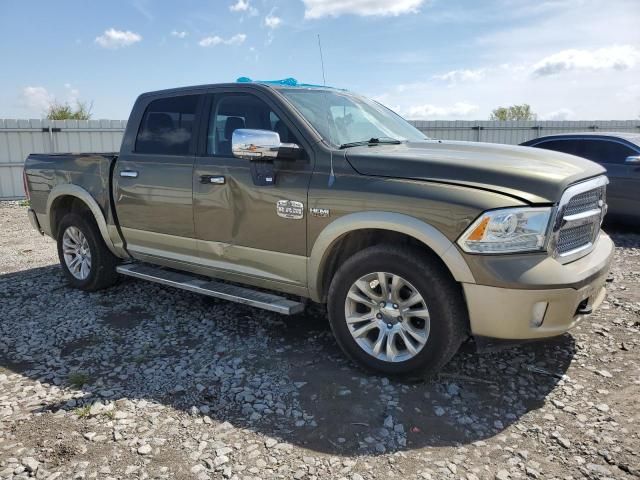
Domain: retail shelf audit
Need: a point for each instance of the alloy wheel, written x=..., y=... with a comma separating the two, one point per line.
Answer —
x=76, y=251
x=387, y=317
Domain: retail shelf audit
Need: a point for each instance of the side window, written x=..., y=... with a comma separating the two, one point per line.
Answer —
x=167, y=126
x=564, y=146
x=604, y=151
x=233, y=112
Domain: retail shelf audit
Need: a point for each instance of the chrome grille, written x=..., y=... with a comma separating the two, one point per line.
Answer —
x=586, y=201
x=578, y=219
x=574, y=237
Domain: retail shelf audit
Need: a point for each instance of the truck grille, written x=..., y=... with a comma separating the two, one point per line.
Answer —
x=586, y=201
x=574, y=237
x=578, y=219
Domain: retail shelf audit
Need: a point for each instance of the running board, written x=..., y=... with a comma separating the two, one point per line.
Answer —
x=211, y=288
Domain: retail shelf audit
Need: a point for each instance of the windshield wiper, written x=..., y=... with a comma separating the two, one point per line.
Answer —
x=373, y=141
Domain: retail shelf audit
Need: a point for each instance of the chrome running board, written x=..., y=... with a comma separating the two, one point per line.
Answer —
x=211, y=288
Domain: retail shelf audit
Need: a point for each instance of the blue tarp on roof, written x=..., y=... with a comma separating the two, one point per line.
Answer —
x=285, y=82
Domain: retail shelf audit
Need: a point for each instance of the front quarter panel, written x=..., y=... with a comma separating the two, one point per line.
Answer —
x=434, y=213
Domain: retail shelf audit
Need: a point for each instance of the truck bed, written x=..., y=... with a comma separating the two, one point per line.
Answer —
x=90, y=171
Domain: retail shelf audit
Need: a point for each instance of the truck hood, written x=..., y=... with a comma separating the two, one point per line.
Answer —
x=531, y=174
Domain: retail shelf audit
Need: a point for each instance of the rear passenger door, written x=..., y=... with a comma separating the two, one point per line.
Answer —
x=153, y=179
x=623, y=192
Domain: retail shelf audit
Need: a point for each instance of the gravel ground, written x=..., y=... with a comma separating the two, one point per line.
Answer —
x=145, y=381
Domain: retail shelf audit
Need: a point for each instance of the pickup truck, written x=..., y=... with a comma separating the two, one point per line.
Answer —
x=273, y=193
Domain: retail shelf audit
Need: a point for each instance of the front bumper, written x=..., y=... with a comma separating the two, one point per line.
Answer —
x=524, y=313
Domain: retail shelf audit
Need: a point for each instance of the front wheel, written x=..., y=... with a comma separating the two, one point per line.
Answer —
x=397, y=311
x=86, y=261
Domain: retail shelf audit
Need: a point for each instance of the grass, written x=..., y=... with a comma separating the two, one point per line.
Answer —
x=82, y=412
x=78, y=379
x=24, y=203
x=139, y=359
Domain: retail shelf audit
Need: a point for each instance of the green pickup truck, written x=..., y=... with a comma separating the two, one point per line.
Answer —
x=272, y=193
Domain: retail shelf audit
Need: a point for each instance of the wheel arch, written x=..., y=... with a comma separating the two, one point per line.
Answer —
x=67, y=197
x=386, y=226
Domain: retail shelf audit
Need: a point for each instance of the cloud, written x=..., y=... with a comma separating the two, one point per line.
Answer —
x=608, y=58
x=243, y=6
x=113, y=38
x=335, y=8
x=215, y=40
x=272, y=21
x=456, y=76
x=237, y=39
x=177, y=34
x=560, y=114
x=239, y=6
x=458, y=109
x=73, y=94
x=36, y=98
x=600, y=85
x=210, y=41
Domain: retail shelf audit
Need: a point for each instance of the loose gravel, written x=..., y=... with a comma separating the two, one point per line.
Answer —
x=145, y=381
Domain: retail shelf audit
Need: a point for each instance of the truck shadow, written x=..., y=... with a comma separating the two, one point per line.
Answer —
x=280, y=377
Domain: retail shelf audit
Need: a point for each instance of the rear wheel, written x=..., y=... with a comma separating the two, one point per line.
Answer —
x=397, y=311
x=86, y=261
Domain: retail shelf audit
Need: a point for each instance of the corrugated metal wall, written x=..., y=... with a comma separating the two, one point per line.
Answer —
x=18, y=138
x=516, y=132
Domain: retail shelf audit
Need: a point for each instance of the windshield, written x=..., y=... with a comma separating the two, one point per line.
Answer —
x=342, y=118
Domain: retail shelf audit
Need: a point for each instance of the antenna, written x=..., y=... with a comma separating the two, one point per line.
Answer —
x=332, y=175
x=324, y=81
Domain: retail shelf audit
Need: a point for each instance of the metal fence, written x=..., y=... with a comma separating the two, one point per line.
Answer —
x=19, y=138
x=516, y=132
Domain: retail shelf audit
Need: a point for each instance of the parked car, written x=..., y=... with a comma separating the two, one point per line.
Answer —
x=619, y=153
x=414, y=244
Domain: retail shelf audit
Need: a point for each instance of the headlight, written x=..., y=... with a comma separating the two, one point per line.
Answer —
x=507, y=230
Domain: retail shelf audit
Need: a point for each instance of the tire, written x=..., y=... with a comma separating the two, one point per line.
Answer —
x=443, y=303
x=101, y=271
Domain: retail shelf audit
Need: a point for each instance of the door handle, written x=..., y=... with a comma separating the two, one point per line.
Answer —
x=129, y=173
x=214, y=179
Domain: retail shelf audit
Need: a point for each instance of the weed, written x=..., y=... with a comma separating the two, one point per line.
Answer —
x=82, y=412
x=78, y=379
x=140, y=359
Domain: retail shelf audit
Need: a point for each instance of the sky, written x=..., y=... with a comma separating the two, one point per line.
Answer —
x=426, y=59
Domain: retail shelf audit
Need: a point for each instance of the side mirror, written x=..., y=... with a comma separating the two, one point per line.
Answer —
x=634, y=159
x=261, y=145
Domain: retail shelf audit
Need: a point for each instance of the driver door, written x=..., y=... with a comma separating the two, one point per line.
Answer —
x=240, y=233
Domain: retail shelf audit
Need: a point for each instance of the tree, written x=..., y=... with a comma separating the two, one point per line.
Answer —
x=514, y=112
x=64, y=111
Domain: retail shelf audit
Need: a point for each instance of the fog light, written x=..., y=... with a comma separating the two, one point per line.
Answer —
x=537, y=313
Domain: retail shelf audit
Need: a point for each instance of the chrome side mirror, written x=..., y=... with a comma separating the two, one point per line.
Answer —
x=634, y=159
x=255, y=144
x=260, y=145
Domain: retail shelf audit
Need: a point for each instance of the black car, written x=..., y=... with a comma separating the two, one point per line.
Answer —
x=619, y=153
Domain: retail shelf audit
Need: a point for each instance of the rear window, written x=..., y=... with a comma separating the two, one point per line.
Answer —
x=167, y=126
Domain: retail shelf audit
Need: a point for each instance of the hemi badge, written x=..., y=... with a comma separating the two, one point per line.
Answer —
x=319, y=212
